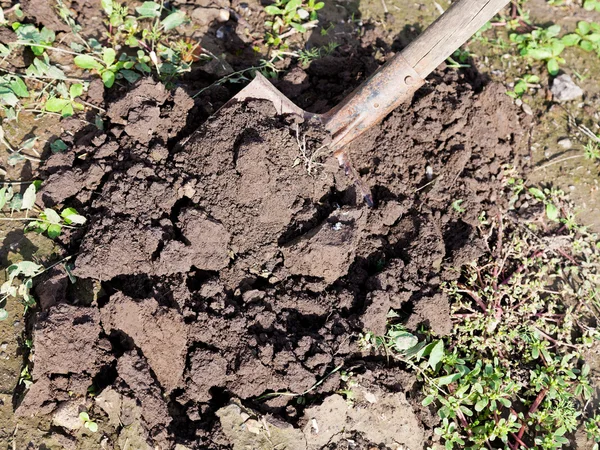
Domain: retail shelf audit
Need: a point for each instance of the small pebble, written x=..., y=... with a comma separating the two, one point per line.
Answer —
x=527, y=109
x=565, y=143
x=571, y=187
x=429, y=173
x=564, y=89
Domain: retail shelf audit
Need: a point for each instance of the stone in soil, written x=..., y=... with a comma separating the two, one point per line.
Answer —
x=564, y=89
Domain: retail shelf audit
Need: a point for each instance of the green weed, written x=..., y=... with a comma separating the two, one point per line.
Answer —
x=511, y=375
x=306, y=56
x=586, y=36
x=592, y=150
x=523, y=84
x=287, y=15
x=87, y=422
x=591, y=5
x=136, y=44
x=541, y=44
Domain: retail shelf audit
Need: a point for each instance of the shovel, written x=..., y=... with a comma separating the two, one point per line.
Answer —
x=391, y=85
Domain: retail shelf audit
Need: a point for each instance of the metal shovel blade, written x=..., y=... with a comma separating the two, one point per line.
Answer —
x=261, y=89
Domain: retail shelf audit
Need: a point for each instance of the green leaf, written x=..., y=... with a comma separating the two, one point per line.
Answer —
x=552, y=212
x=583, y=27
x=54, y=104
x=28, y=269
x=36, y=227
x=173, y=20
x=3, y=198
x=108, y=56
x=107, y=6
x=76, y=90
x=436, y=355
x=594, y=37
x=92, y=426
x=7, y=97
x=29, y=198
x=52, y=216
x=557, y=47
x=404, y=340
x=16, y=202
x=443, y=381
x=293, y=5
x=108, y=78
x=586, y=45
x=14, y=159
x=537, y=193
x=571, y=39
x=481, y=404
x=84, y=416
x=87, y=62
x=428, y=400
x=273, y=10
x=54, y=231
x=67, y=111
x=319, y=6
x=71, y=216
x=539, y=53
x=3, y=314
x=19, y=87
x=130, y=75
x=47, y=36
x=553, y=67
x=553, y=31
x=299, y=27
x=58, y=146
x=148, y=9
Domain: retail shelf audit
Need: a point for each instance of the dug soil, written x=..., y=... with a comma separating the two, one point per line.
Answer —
x=215, y=270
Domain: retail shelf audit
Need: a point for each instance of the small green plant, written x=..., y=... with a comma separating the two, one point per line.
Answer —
x=592, y=428
x=459, y=59
x=592, y=150
x=523, y=84
x=542, y=44
x=306, y=56
x=545, y=196
x=349, y=384
x=66, y=104
x=288, y=14
x=591, y=5
x=25, y=377
x=456, y=206
x=47, y=221
x=87, y=422
x=24, y=272
x=134, y=45
x=586, y=36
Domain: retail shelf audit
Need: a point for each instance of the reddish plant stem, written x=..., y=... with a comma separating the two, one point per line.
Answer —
x=536, y=404
x=463, y=289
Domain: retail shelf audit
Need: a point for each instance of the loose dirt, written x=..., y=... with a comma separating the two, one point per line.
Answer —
x=225, y=272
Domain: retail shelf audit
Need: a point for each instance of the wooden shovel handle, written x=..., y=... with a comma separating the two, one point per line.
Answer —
x=451, y=30
x=398, y=79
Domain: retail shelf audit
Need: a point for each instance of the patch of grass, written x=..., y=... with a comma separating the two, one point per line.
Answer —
x=511, y=374
x=134, y=45
x=288, y=17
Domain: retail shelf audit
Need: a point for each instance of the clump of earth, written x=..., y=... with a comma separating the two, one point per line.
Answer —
x=215, y=271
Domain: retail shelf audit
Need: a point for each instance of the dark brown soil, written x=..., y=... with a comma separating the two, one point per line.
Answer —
x=228, y=272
